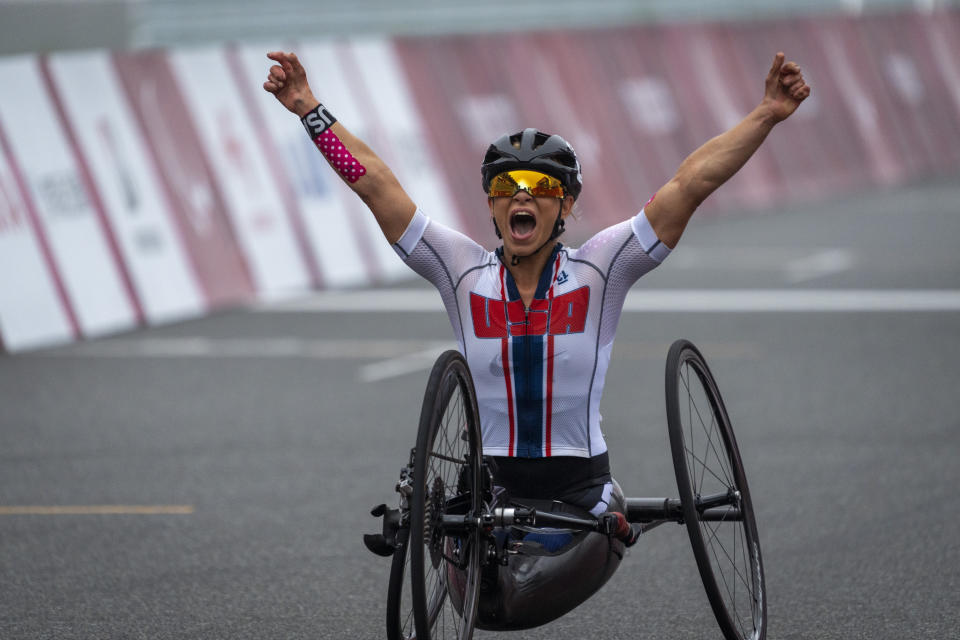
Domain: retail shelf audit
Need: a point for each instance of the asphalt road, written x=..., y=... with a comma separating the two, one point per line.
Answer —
x=235, y=458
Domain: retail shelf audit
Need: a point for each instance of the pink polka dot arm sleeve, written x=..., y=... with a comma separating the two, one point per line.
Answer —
x=338, y=156
x=318, y=123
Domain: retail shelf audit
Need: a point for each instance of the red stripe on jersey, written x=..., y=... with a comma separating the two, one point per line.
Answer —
x=549, y=399
x=505, y=357
x=549, y=411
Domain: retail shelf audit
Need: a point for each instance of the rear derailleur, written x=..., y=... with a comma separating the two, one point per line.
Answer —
x=385, y=543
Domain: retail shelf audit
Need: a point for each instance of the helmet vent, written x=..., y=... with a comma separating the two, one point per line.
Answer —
x=539, y=140
x=565, y=158
x=492, y=155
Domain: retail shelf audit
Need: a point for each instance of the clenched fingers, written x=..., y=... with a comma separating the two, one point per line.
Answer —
x=790, y=80
x=790, y=68
x=795, y=86
x=278, y=74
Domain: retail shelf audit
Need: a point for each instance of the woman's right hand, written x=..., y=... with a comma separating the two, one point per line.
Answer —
x=287, y=81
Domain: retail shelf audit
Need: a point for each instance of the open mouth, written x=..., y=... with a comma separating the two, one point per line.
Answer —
x=522, y=224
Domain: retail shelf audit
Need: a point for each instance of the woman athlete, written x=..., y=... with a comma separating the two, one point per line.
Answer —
x=534, y=319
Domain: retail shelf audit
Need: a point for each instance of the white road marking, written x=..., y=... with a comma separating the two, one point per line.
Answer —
x=664, y=300
x=410, y=363
x=391, y=358
x=203, y=347
x=793, y=300
x=793, y=264
x=423, y=360
x=371, y=300
x=817, y=265
x=396, y=357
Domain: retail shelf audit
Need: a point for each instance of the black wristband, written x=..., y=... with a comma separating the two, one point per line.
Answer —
x=317, y=121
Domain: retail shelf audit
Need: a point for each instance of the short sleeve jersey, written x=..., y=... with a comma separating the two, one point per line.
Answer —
x=539, y=370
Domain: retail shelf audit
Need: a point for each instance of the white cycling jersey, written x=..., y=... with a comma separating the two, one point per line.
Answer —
x=538, y=371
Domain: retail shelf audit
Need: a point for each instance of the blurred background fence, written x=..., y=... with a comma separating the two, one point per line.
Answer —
x=145, y=176
x=37, y=25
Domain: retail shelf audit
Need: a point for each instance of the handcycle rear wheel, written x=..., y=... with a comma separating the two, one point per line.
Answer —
x=707, y=463
x=440, y=598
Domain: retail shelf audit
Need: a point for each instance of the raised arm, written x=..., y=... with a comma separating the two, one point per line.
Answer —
x=359, y=167
x=718, y=159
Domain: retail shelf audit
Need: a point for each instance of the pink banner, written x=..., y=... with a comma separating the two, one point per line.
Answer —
x=918, y=95
x=435, y=69
x=813, y=151
x=288, y=198
x=186, y=177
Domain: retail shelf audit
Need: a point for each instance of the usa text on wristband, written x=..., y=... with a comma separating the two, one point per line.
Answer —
x=317, y=121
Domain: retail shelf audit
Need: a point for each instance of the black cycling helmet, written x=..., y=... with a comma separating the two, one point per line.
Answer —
x=537, y=151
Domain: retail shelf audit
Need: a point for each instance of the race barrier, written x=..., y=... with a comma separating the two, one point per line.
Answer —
x=143, y=187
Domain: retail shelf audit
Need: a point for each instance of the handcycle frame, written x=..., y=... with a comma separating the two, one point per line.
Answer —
x=648, y=513
x=444, y=529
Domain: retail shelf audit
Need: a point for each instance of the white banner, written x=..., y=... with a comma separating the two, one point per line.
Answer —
x=81, y=253
x=336, y=92
x=255, y=206
x=31, y=313
x=116, y=155
x=321, y=201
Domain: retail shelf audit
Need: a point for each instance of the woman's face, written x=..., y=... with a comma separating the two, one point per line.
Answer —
x=526, y=222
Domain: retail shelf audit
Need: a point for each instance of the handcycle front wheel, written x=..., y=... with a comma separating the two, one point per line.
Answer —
x=717, y=508
x=439, y=601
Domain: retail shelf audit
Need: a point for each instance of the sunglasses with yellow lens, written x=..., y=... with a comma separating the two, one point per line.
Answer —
x=537, y=184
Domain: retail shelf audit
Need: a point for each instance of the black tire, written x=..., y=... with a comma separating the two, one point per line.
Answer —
x=707, y=463
x=400, y=625
x=445, y=568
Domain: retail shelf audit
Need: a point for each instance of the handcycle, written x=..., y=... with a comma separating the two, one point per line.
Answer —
x=449, y=532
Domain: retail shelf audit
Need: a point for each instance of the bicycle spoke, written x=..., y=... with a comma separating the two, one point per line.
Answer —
x=744, y=576
x=692, y=405
x=731, y=597
x=722, y=461
x=709, y=542
x=706, y=452
x=704, y=465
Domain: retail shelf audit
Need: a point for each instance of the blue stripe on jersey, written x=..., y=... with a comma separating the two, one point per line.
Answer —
x=528, y=388
x=528, y=364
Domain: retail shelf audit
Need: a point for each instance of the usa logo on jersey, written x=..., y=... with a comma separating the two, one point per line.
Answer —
x=497, y=318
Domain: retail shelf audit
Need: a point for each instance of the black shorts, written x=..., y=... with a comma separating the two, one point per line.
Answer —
x=584, y=482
